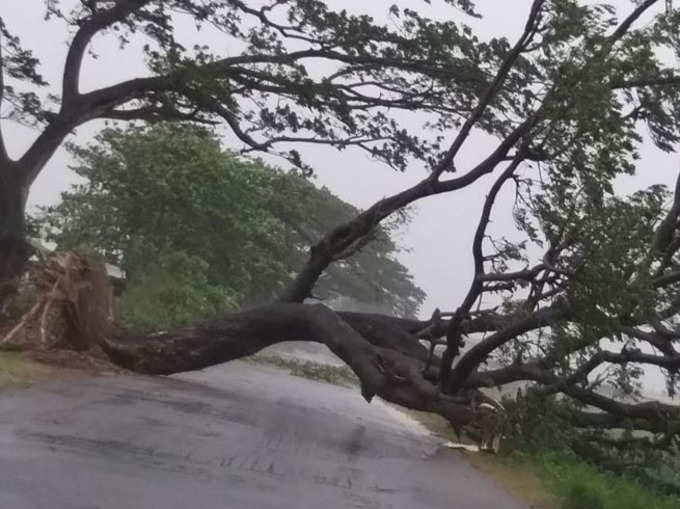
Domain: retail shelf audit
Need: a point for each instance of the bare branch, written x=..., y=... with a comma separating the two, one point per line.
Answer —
x=153, y=114
x=627, y=23
x=667, y=81
x=478, y=353
x=88, y=29
x=321, y=254
x=656, y=340
x=666, y=279
x=670, y=362
x=664, y=232
x=494, y=88
x=454, y=333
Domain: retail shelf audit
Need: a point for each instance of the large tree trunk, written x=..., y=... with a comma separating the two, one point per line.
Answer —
x=388, y=360
x=14, y=251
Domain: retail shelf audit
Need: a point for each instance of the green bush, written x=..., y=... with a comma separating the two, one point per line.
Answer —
x=171, y=291
x=583, y=496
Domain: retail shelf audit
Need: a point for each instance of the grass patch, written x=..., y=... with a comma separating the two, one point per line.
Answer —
x=335, y=375
x=16, y=370
x=580, y=485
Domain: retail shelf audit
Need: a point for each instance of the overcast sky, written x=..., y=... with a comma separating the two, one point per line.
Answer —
x=439, y=236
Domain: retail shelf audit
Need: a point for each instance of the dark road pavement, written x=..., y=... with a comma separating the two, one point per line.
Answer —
x=239, y=436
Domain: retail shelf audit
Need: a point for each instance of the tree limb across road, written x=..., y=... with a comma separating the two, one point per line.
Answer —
x=565, y=104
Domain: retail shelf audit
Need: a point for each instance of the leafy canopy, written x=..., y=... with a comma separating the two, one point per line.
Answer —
x=152, y=191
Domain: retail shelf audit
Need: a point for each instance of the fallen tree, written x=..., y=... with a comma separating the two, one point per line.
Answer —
x=579, y=303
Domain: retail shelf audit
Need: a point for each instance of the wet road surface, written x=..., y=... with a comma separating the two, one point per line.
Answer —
x=238, y=436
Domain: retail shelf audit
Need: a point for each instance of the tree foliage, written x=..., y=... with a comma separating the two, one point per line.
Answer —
x=150, y=192
x=173, y=290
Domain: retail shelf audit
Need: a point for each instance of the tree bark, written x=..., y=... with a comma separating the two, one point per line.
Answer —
x=14, y=251
x=382, y=365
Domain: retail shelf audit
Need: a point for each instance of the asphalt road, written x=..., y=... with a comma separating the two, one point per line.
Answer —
x=239, y=436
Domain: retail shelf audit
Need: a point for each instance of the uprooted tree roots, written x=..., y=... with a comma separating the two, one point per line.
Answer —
x=73, y=307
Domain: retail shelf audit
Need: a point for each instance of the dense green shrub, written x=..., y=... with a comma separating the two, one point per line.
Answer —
x=171, y=291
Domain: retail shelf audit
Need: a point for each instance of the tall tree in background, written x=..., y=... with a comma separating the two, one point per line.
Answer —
x=566, y=102
x=147, y=192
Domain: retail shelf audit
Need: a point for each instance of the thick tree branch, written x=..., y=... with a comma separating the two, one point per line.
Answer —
x=42, y=149
x=602, y=420
x=322, y=254
x=493, y=89
x=658, y=415
x=627, y=23
x=382, y=370
x=454, y=332
x=656, y=340
x=529, y=371
x=670, y=362
x=89, y=27
x=651, y=416
x=478, y=353
x=663, y=236
x=666, y=279
x=104, y=99
x=663, y=246
x=389, y=332
x=153, y=114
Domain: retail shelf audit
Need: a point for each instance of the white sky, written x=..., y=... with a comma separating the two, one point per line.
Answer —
x=439, y=236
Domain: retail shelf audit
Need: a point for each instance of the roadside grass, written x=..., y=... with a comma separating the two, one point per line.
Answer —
x=552, y=480
x=580, y=485
x=334, y=375
x=17, y=370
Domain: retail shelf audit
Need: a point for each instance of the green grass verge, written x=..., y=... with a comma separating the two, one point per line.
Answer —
x=335, y=375
x=580, y=485
x=16, y=370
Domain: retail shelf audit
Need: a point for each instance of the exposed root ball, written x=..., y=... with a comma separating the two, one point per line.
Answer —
x=73, y=308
